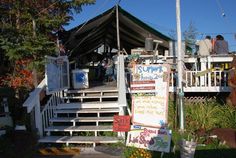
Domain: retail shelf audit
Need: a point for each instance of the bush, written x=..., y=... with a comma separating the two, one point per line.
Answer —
x=227, y=117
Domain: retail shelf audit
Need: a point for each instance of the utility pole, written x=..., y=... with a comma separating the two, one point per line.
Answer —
x=180, y=91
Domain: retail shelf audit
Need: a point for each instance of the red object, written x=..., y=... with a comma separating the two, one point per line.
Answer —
x=121, y=123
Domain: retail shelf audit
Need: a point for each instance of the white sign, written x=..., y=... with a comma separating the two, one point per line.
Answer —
x=150, y=104
x=150, y=110
x=150, y=138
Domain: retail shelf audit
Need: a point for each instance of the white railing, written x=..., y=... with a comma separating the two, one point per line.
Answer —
x=33, y=105
x=122, y=101
x=42, y=113
x=48, y=110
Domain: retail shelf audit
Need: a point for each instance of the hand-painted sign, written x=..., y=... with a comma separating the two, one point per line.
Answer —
x=121, y=123
x=150, y=103
x=147, y=78
x=150, y=138
x=149, y=110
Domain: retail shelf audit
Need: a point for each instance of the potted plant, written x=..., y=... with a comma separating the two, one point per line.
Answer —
x=188, y=146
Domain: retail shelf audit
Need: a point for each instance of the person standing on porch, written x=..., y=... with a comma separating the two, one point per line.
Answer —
x=205, y=47
x=231, y=100
x=221, y=46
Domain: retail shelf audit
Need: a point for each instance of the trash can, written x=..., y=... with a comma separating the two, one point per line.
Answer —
x=80, y=78
x=187, y=148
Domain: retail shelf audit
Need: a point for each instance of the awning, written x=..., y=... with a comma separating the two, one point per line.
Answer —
x=100, y=30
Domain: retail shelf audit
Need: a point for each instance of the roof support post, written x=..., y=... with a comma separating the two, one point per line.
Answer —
x=117, y=28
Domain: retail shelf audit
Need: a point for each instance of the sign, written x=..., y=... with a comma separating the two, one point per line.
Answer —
x=150, y=110
x=121, y=123
x=150, y=87
x=147, y=78
x=150, y=139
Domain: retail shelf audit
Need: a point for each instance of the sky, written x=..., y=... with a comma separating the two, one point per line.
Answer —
x=209, y=17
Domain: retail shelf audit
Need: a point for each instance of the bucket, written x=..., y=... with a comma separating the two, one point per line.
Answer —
x=187, y=148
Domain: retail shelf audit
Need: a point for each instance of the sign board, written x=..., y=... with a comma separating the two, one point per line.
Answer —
x=148, y=78
x=149, y=138
x=150, y=110
x=57, y=74
x=150, y=87
x=121, y=123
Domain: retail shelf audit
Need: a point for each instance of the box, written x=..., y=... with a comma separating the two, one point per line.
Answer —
x=80, y=78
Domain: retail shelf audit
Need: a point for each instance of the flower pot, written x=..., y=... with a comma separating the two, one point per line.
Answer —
x=187, y=148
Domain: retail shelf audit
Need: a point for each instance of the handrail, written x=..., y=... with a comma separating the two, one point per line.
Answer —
x=48, y=111
x=34, y=96
x=122, y=101
x=42, y=116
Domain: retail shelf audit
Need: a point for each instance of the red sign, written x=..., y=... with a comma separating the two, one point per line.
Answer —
x=121, y=123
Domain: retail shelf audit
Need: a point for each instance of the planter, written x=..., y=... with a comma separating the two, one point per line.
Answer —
x=187, y=148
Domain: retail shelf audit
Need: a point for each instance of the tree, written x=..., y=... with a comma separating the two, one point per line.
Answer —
x=28, y=28
x=190, y=35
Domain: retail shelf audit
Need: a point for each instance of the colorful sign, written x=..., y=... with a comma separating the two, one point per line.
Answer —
x=150, y=88
x=148, y=78
x=149, y=138
x=121, y=123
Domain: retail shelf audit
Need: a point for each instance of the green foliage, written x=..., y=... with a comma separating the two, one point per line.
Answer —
x=210, y=115
x=171, y=114
x=20, y=38
x=202, y=116
x=227, y=117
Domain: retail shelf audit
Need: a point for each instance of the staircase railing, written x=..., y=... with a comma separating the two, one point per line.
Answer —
x=122, y=101
x=48, y=110
x=42, y=113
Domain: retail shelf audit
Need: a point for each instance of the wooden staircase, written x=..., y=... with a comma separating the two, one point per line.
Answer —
x=83, y=117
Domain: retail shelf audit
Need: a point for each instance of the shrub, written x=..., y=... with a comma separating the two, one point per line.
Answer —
x=202, y=116
x=227, y=117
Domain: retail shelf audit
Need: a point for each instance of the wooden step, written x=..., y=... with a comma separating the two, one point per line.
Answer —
x=87, y=105
x=78, y=128
x=91, y=91
x=73, y=111
x=79, y=139
x=82, y=119
x=90, y=97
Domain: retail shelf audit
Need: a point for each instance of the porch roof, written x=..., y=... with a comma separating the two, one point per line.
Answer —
x=86, y=37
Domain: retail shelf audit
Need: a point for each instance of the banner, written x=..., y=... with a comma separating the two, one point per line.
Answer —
x=149, y=138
